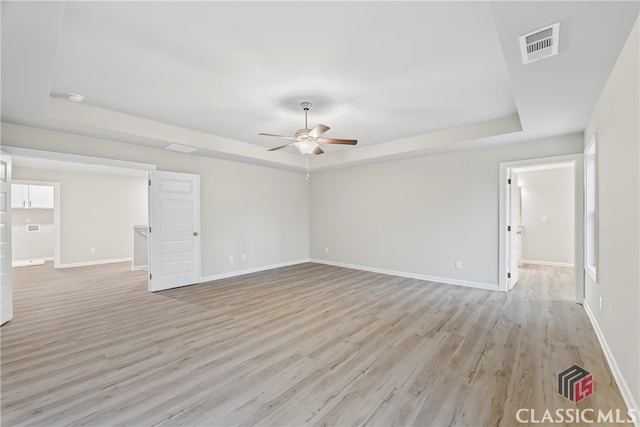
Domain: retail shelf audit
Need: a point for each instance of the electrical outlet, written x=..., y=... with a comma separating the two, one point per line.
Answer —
x=600, y=303
x=326, y=250
x=92, y=250
x=230, y=258
x=459, y=265
x=244, y=257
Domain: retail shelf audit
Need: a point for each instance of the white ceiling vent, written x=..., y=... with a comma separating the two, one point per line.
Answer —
x=540, y=44
x=180, y=148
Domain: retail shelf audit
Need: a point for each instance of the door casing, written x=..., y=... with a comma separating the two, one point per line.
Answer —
x=578, y=167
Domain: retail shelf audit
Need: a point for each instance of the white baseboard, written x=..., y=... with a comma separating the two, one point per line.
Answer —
x=446, y=280
x=549, y=263
x=627, y=396
x=139, y=267
x=213, y=277
x=30, y=261
x=97, y=262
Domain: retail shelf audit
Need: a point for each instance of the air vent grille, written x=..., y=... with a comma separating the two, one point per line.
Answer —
x=180, y=148
x=540, y=44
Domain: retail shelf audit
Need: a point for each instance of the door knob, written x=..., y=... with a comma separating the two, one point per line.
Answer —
x=195, y=233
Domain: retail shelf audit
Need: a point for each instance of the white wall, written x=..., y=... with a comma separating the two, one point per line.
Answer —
x=615, y=121
x=548, y=193
x=97, y=211
x=31, y=245
x=420, y=216
x=245, y=209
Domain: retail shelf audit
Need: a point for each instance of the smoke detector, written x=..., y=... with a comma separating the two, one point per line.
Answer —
x=540, y=44
x=75, y=97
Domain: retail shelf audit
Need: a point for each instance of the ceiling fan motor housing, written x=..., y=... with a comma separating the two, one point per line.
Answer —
x=303, y=134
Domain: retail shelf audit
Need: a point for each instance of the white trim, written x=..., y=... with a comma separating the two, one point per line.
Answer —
x=30, y=261
x=213, y=277
x=139, y=267
x=591, y=271
x=445, y=280
x=97, y=262
x=625, y=391
x=549, y=263
x=77, y=158
x=477, y=285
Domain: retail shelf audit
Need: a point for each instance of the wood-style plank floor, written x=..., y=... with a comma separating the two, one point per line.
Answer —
x=303, y=345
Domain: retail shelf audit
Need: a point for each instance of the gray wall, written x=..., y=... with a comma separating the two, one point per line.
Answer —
x=96, y=211
x=245, y=209
x=615, y=121
x=31, y=245
x=548, y=193
x=420, y=216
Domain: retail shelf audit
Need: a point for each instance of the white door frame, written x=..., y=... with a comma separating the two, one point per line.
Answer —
x=578, y=249
x=73, y=158
x=512, y=188
x=56, y=215
x=6, y=302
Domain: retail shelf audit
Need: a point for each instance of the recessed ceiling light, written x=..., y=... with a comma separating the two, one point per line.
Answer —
x=74, y=97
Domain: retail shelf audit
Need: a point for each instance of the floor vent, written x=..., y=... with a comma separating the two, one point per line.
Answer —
x=540, y=44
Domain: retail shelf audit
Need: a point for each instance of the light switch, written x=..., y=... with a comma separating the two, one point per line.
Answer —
x=545, y=218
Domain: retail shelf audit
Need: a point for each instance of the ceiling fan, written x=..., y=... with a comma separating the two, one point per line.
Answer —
x=308, y=140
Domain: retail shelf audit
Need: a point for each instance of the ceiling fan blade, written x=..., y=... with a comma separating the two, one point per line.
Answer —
x=317, y=150
x=339, y=141
x=277, y=136
x=280, y=147
x=318, y=130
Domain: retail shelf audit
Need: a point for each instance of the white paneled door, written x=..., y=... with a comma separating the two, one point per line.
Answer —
x=6, y=280
x=174, y=220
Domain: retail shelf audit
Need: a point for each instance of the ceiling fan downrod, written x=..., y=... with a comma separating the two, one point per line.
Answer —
x=305, y=106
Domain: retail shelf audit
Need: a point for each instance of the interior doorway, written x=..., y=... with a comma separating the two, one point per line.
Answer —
x=180, y=194
x=34, y=221
x=538, y=225
x=91, y=220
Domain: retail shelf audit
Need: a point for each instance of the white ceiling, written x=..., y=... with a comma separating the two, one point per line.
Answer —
x=404, y=78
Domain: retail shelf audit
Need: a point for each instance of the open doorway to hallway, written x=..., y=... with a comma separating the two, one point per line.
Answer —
x=543, y=216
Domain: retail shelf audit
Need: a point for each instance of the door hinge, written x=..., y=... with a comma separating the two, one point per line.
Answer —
x=508, y=228
x=508, y=181
x=149, y=183
x=150, y=276
x=508, y=275
x=149, y=229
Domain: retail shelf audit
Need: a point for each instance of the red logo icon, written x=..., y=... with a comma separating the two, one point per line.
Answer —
x=575, y=383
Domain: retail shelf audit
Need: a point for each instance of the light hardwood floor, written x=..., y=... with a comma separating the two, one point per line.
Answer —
x=303, y=345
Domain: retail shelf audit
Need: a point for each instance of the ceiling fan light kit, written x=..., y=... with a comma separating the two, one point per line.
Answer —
x=307, y=140
x=307, y=147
